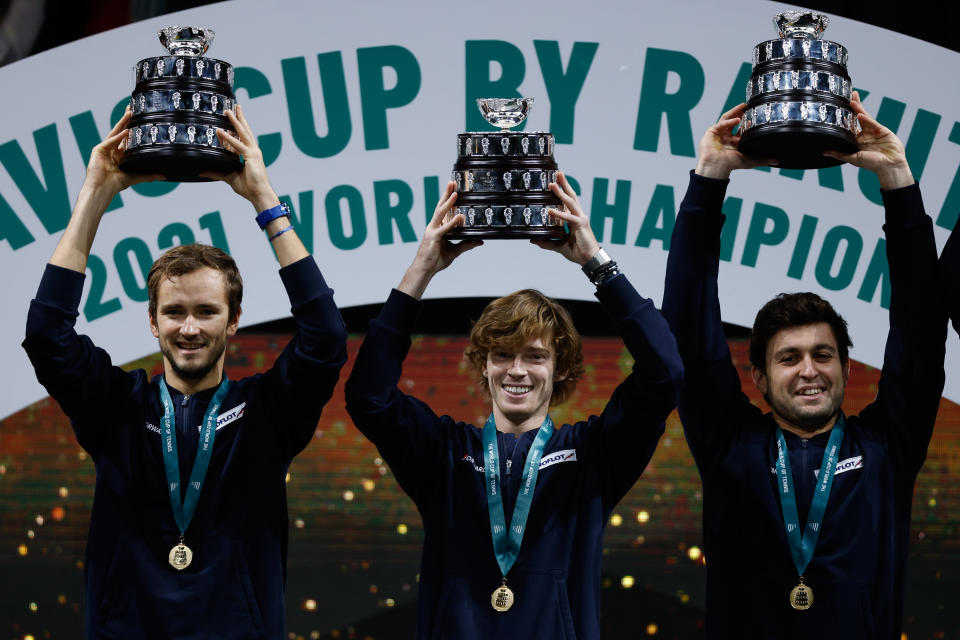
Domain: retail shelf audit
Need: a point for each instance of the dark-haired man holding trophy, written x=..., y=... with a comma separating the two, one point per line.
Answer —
x=806, y=511
x=514, y=510
x=188, y=535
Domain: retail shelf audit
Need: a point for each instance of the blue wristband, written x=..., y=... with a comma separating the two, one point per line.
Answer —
x=272, y=214
x=281, y=232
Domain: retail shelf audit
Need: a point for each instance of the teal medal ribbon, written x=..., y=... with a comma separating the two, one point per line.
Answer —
x=181, y=555
x=506, y=544
x=803, y=544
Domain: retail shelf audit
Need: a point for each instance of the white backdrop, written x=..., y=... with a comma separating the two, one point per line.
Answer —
x=411, y=67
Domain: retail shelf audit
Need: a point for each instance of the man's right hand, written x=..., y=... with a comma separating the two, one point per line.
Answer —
x=103, y=181
x=718, y=155
x=436, y=252
x=104, y=175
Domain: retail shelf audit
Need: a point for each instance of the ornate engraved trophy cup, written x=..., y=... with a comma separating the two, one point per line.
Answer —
x=798, y=96
x=503, y=176
x=178, y=102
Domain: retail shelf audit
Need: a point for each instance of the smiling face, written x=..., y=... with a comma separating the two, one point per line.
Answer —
x=520, y=382
x=191, y=323
x=804, y=378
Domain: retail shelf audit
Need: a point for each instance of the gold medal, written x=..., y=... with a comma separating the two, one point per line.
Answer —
x=801, y=596
x=180, y=556
x=502, y=597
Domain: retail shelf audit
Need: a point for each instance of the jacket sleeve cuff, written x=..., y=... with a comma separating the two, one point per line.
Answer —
x=303, y=281
x=61, y=288
x=400, y=311
x=705, y=189
x=619, y=297
x=903, y=206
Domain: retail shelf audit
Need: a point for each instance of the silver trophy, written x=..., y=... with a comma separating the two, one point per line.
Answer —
x=175, y=98
x=502, y=172
x=798, y=96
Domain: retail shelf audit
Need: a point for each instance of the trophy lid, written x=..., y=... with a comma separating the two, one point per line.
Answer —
x=504, y=112
x=186, y=41
x=801, y=24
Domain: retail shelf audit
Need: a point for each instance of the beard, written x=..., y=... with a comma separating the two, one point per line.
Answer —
x=193, y=370
x=806, y=421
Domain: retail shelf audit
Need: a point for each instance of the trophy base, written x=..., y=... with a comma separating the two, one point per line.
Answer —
x=797, y=145
x=505, y=233
x=180, y=165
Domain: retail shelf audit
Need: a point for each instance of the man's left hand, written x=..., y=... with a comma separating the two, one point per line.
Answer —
x=252, y=181
x=581, y=244
x=881, y=151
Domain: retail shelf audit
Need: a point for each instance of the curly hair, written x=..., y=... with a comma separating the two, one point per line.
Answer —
x=188, y=258
x=519, y=318
x=794, y=310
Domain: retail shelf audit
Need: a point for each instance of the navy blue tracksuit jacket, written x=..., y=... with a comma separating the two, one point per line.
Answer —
x=857, y=570
x=950, y=276
x=586, y=468
x=234, y=588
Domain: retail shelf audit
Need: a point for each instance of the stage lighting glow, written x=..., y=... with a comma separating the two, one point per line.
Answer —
x=616, y=520
x=626, y=582
x=643, y=517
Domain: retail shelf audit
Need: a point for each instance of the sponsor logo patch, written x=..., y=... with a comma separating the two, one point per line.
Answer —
x=850, y=464
x=567, y=455
x=223, y=419
x=229, y=416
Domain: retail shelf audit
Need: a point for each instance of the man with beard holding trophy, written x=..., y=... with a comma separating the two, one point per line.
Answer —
x=514, y=512
x=806, y=511
x=188, y=534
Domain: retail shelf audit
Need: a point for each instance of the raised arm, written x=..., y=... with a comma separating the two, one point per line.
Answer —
x=625, y=435
x=303, y=378
x=406, y=431
x=711, y=400
x=908, y=394
x=77, y=374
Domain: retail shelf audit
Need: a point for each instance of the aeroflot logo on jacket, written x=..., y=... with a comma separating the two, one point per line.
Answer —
x=567, y=455
x=223, y=419
x=850, y=464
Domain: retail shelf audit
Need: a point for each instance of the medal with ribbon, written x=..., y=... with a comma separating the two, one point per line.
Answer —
x=803, y=545
x=181, y=555
x=506, y=543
